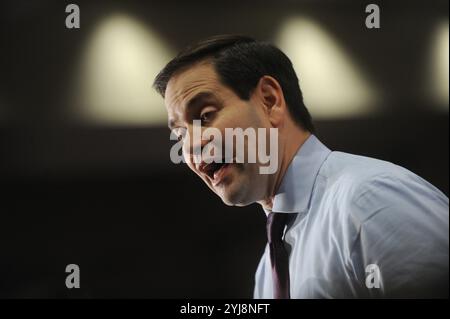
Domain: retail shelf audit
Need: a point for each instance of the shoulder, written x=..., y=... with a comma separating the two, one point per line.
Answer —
x=345, y=168
x=364, y=186
x=347, y=176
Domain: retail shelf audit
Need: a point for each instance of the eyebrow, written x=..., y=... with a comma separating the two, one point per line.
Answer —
x=195, y=102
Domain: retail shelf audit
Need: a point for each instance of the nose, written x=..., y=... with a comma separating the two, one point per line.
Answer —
x=194, y=144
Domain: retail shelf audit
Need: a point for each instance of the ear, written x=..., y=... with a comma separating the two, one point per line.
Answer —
x=272, y=98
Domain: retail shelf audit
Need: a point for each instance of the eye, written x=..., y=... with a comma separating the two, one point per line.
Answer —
x=207, y=114
x=205, y=117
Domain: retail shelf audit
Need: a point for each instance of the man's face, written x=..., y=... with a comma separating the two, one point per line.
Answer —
x=198, y=94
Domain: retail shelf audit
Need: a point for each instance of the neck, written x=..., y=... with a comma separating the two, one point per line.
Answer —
x=290, y=143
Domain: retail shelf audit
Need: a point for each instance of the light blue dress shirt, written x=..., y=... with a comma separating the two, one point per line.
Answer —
x=365, y=228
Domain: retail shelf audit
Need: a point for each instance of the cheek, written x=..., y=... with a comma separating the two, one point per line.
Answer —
x=186, y=156
x=246, y=117
x=234, y=115
x=186, y=151
x=189, y=162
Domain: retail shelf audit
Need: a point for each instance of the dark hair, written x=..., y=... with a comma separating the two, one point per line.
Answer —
x=240, y=62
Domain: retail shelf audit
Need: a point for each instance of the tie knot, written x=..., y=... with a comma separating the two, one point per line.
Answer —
x=275, y=226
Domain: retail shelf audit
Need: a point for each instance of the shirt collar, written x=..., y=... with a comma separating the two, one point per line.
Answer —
x=297, y=184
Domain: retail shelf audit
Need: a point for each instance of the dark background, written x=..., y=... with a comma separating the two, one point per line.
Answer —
x=108, y=198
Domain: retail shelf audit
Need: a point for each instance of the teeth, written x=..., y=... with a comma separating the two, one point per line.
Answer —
x=212, y=168
x=218, y=167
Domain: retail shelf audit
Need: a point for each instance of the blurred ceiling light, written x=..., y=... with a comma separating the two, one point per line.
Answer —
x=332, y=85
x=439, y=66
x=119, y=65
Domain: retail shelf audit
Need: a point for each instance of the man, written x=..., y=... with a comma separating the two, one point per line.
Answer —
x=339, y=225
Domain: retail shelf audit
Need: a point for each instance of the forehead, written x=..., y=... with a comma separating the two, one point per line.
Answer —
x=183, y=86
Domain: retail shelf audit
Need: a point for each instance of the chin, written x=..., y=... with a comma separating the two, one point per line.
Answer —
x=237, y=192
x=234, y=203
x=235, y=198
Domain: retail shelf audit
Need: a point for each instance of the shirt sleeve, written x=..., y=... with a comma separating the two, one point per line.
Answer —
x=402, y=245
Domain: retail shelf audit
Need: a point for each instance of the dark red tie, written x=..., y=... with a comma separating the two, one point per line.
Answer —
x=279, y=256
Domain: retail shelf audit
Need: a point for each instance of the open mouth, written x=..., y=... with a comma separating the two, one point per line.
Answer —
x=215, y=171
